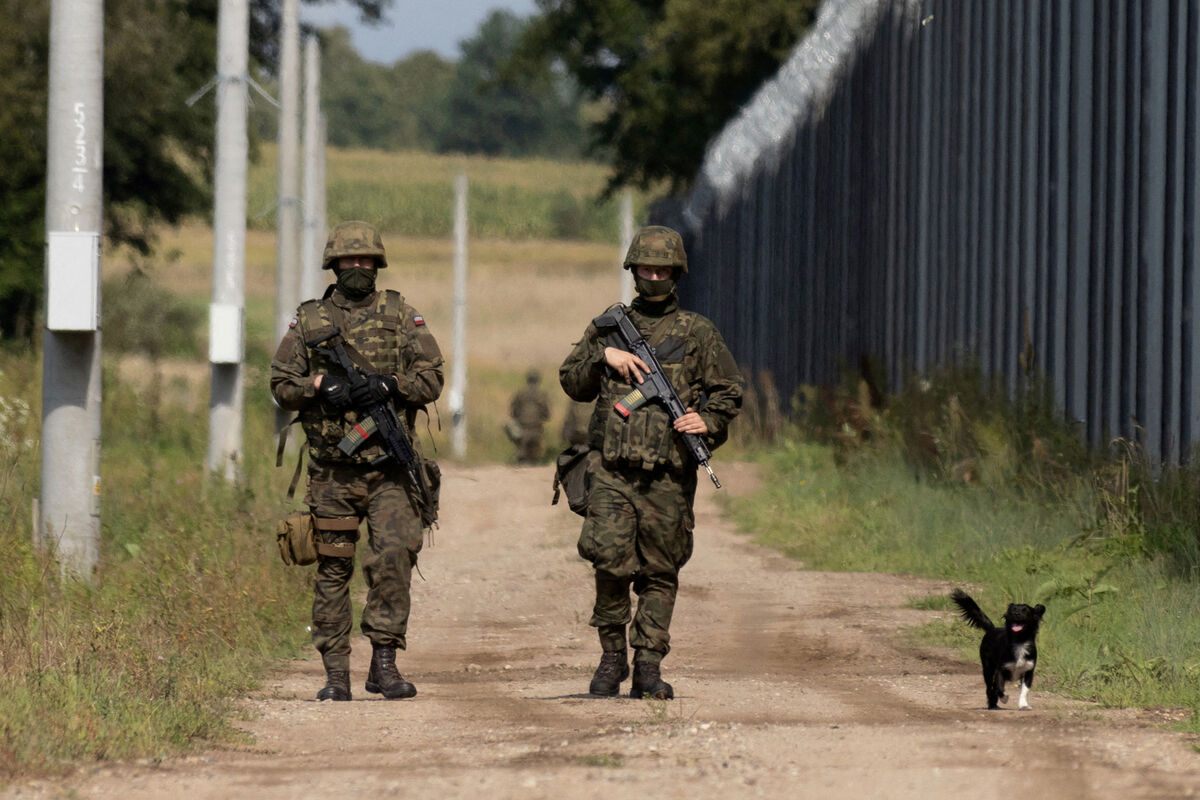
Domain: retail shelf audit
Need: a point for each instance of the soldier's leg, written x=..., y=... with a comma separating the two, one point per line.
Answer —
x=664, y=546
x=331, y=497
x=607, y=540
x=331, y=615
x=612, y=611
x=650, y=633
x=393, y=540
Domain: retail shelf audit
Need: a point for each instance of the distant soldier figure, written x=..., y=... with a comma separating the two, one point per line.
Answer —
x=528, y=413
x=385, y=337
x=638, y=529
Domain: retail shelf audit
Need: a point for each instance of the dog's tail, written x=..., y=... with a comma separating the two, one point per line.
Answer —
x=971, y=612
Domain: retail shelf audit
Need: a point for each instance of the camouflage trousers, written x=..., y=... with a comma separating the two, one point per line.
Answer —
x=394, y=536
x=638, y=534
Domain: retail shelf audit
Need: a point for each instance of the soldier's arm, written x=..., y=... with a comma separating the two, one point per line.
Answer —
x=422, y=379
x=291, y=385
x=582, y=373
x=722, y=386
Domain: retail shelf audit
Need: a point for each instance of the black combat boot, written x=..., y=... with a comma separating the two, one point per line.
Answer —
x=337, y=685
x=383, y=678
x=648, y=682
x=614, y=668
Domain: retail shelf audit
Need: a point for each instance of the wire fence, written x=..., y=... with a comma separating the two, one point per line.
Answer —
x=926, y=181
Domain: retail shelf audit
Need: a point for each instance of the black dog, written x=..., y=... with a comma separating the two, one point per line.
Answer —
x=1008, y=653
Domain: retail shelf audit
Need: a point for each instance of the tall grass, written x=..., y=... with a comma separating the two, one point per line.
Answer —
x=954, y=481
x=188, y=604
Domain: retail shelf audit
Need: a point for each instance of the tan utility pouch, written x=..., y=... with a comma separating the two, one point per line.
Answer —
x=297, y=539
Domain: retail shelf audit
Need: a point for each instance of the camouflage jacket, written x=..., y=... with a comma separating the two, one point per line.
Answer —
x=388, y=333
x=699, y=366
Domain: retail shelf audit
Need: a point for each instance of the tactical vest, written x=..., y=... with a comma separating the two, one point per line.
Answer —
x=646, y=438
x=377, y=333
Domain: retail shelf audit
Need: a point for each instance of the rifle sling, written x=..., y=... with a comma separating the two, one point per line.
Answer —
x=283, y=437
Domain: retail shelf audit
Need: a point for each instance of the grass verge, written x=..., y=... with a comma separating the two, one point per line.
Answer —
x=970, y=490
x=188, y=606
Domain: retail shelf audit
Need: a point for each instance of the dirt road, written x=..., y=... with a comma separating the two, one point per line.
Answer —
x=789, y=684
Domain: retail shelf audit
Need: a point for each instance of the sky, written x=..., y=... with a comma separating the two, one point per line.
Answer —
x=437, y=25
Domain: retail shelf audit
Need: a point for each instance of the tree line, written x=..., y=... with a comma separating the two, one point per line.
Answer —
x=641, y=85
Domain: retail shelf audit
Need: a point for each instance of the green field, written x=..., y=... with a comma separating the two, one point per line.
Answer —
x=412, y=194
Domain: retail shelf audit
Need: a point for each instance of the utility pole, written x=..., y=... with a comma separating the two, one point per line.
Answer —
x=226, y=318
x=312, y=240
x=69, y=510
x=458, y=371
x=287, y=225
x=626, y=240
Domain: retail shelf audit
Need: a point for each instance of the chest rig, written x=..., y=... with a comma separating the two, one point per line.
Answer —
x=646, y=437
x=376, y=334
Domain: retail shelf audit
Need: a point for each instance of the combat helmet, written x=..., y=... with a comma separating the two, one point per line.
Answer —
x=657, y=246
x=353, y=238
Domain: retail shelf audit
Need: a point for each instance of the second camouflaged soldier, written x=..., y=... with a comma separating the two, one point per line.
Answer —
x=638, y=529
x=388, y=338
x=529, y=410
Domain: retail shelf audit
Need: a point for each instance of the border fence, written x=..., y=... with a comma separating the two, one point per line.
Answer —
x=925, y=181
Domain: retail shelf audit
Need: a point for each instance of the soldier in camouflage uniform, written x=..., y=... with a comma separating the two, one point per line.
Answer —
x=638, y=529
x=379, y=328
x=530, y=409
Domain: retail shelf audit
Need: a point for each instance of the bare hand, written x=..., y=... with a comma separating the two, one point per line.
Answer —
x=626, y=364
x=691, y=422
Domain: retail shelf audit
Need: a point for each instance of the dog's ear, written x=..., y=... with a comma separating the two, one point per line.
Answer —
x=1038, y=610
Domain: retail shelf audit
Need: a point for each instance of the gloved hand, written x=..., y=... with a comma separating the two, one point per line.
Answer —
x=374, y=390
x=335, y=392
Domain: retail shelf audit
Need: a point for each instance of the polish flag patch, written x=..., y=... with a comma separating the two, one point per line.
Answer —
x=418, y=319
x=294, y=322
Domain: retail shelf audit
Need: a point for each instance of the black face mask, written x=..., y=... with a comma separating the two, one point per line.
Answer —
x=649, y=288
x=356, y=282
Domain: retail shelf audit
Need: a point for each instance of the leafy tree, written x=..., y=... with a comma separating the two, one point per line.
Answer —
x=157, y=150
x=669, y=73
x=389, y=108
x=265, y=24
x=508, y=113
x=24, y=43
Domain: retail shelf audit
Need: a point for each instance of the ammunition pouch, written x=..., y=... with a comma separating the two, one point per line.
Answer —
x=296, y=537
x=573, y=470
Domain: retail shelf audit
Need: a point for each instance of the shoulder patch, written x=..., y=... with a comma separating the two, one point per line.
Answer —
x=418, y=319
x=294, y=322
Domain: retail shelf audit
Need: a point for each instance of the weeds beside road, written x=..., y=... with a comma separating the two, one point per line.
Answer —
x=954, y=482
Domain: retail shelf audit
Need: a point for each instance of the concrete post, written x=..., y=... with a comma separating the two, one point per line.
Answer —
x=227, y=312
x=69, y=508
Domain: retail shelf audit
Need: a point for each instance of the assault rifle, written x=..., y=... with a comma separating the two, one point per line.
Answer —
x=381, y=419
x=654, y=386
